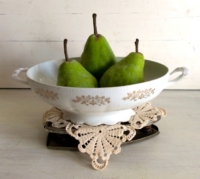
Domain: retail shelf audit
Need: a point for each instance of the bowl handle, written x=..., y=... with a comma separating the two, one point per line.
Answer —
x=16, y=77
x=184, y=72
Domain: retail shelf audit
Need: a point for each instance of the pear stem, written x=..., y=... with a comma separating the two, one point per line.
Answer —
x=65, y=49
x=136, y=45
x=95, y=24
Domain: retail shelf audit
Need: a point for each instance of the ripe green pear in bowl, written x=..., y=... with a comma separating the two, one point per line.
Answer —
x=97, y=55
x=72, y=74
x=128, y=71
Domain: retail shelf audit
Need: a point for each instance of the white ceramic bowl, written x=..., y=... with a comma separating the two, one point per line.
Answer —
x=96, y=106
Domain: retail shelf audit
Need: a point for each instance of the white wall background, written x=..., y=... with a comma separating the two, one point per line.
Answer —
x=32, y=31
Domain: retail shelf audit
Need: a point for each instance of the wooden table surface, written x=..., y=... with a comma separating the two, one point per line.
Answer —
x=173, y=154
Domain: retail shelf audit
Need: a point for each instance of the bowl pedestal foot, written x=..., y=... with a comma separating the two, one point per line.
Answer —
x=95, y=119
x=100, y=141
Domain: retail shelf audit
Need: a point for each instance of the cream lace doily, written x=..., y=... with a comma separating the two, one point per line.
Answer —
x=99, y=142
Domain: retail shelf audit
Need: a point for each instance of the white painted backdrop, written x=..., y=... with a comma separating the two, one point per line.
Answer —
x=32, y=31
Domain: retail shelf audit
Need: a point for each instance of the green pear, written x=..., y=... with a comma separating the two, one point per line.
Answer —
x=97, y=55
x=128, y=71
x=72, y=74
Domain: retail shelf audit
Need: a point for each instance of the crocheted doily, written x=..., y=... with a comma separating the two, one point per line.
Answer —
x=99, y=142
